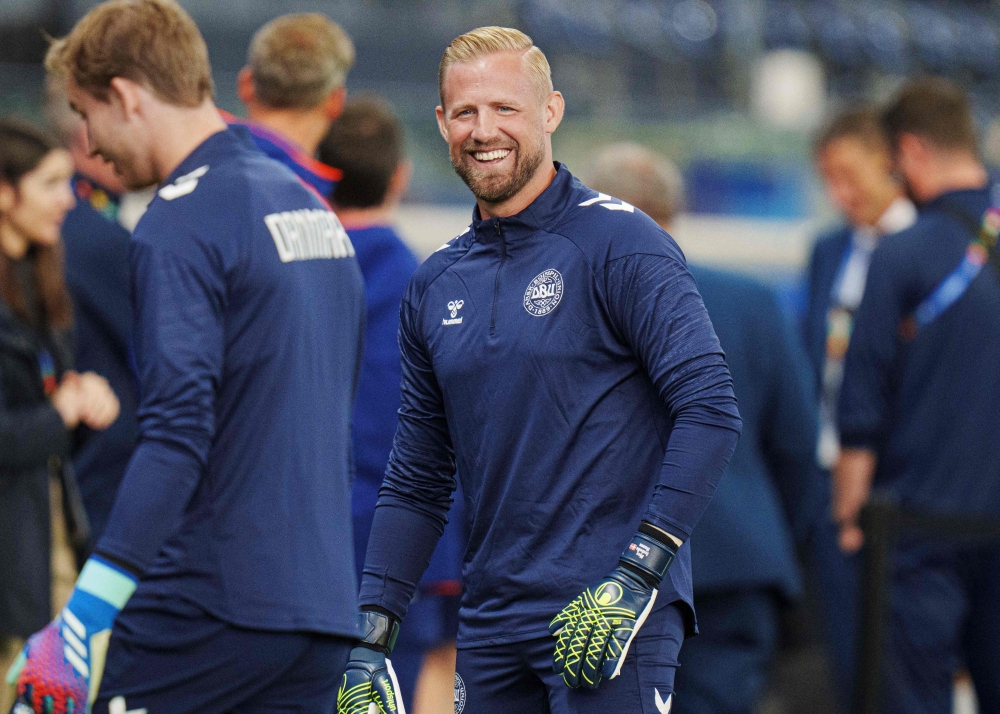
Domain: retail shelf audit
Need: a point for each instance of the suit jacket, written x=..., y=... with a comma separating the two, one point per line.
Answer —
x=771, y=495
x=97, y=278
x=827, y=255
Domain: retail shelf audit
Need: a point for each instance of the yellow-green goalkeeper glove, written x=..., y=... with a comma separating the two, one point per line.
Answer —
x=369, y=680
x=596, y=630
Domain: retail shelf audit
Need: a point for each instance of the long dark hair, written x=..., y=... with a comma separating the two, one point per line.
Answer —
x=22, y=149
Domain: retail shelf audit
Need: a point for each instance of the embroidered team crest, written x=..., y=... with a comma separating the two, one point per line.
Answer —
x=544, y=293
x=459, y=694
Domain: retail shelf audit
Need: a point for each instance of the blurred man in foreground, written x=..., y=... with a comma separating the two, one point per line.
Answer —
x=366, y=143
x=97, y=275
x=918, y=409
x=293, y=87
x=854, y=160
x=223, y=570
x=556, y=354
x=743, y=554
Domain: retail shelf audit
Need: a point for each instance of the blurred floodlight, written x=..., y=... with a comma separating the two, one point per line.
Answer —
x=789, y=90
x=694, y=20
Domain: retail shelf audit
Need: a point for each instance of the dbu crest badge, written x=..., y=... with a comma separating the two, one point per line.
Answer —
x=459, y=694
x=544, y=293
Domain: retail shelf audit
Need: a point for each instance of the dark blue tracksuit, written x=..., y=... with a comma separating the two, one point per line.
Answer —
x=236, y=505
x=563, y=359
x=743, y=553
x=928, y=407
x=836, y=572
x=97, y=250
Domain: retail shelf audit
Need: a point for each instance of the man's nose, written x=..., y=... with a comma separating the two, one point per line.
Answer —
x=485, y=128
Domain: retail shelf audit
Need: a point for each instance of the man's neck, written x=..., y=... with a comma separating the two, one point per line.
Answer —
x=358, y=218
x=306, y=128
x=522, y=199
x=182, y=130
x=959, y=174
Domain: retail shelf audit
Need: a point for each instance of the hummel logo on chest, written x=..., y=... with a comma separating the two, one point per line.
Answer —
x=454, y=306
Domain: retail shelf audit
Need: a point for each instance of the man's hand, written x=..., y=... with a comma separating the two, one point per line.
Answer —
x=369, y=684
x=596, y=630
x=60, y=668
x=852, y=483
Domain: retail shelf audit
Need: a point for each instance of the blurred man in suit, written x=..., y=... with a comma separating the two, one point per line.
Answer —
x=743, y=554
x=853, y=158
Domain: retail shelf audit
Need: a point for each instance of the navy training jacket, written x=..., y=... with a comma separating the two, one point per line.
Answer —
x=928, y=406
x=249, y=311
x=564, y=360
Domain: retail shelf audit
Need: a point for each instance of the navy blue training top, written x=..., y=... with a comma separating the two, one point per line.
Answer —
x=248, y=327
x=564, y=360
x=928, y=406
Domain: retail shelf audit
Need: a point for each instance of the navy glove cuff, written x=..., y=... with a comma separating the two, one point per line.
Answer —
x=648, y=557
x=378, y=631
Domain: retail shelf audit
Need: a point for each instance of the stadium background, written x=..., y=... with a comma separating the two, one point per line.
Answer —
x=732, y=90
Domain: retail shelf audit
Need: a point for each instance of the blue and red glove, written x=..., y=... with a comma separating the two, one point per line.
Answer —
x=59, y=670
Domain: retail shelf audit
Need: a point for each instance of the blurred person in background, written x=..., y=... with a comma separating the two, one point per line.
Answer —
x=743, y=555
x=293, y=87
x=854, y=160
x=42, y=401
x=97, y=275
x=918, y=410
x=366, y=144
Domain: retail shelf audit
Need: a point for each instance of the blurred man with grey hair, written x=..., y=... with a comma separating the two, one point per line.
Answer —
x=293, y=87
x=743, y=555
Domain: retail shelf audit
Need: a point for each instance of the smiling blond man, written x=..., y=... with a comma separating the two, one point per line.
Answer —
x=556, y=355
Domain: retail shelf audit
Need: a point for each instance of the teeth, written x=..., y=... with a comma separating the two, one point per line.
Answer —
x=491, y=155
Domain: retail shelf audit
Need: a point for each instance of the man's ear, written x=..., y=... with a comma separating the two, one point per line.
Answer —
x=400, y=180
x=442, y=127
x=127, y=95
x=333, y=105
x=555, y=106
x=913, y=147
x=8, y=197
x=244, y=87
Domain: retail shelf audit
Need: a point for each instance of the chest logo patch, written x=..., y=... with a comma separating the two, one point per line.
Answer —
x=453, y=307
x=544, y=293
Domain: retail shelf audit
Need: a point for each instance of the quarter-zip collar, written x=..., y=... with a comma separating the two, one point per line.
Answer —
x=541, y=214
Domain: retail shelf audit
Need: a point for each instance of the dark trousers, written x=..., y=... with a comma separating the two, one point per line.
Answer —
x=945, y=615
x=177, y=659
x=724, y=669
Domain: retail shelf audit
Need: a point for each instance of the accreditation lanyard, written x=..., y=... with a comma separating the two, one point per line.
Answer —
x=958, y=280
x=47, y=366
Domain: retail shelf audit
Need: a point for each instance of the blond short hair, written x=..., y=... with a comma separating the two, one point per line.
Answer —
x=491, y=40
x=634, y=174
x=152, y=42
x=297, y=60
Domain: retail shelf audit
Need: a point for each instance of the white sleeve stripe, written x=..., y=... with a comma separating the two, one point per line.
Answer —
x=78, y=664
x=635, y=630
x=73, y=621
x=74, y=642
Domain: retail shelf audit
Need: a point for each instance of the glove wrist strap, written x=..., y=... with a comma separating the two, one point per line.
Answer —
x=648, y=557
x=378, y=630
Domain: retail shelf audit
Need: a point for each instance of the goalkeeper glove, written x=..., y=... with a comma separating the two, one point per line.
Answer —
x=369, y=684
x=59, y=670
x=596, y=630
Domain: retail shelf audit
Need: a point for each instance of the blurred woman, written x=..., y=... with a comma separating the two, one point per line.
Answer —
x=42, y=401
